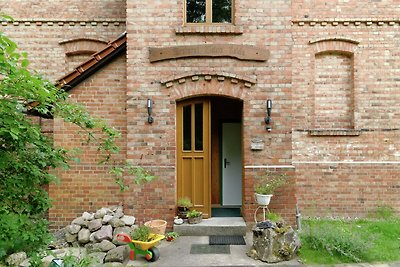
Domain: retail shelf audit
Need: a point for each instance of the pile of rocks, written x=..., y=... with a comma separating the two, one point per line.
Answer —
x=97, y=233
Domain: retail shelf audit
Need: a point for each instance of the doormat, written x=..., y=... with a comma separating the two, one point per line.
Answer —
x=207, y=249
x=225, y=212
x=226, y=240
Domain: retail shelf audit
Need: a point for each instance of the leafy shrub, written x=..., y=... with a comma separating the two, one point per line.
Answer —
x=335, y=238
x=141, y=233
x=20, y=232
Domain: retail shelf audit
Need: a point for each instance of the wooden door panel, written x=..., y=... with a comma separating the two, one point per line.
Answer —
x=193, y=153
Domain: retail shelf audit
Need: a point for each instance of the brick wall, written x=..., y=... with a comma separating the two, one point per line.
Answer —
x=88, y=186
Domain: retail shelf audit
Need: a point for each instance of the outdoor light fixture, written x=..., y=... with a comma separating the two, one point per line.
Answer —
x=150, y=110
x=268, y=119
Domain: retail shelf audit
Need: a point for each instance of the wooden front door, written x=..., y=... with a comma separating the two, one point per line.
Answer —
x=193, y=152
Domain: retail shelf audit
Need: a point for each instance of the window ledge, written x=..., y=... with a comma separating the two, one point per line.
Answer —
x=210, y=29
x=334, y=132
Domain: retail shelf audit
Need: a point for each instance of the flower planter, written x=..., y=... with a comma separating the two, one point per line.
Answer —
x=263, y=200
x=194, y=220
x=157, y=226
x=182, y=212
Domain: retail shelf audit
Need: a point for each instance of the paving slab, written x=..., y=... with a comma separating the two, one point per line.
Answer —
x=177, y=253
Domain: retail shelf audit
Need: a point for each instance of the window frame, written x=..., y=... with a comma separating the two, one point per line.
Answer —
x=208, y=15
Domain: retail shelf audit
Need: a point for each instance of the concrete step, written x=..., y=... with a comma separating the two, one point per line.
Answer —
x=214, y=226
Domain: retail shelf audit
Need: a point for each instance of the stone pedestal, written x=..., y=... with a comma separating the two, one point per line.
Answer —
x=274, y=244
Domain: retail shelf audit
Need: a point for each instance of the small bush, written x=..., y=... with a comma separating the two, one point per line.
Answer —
x=142, y=233
x=19, y=232
x=273, y=217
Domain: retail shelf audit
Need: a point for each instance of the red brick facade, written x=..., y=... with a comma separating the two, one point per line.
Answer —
x=333, y=75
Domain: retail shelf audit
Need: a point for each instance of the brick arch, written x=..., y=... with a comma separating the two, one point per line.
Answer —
x=336, y=44
x=82, y=46
x=206, y=84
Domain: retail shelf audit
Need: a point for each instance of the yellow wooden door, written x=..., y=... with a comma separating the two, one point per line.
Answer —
x=193, y=152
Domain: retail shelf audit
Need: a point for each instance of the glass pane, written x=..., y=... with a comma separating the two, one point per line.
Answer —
x=187, y=127
x=195, y=11
x=222, y=11
x=198, y=127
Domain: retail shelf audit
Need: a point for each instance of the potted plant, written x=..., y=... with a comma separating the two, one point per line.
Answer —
x=267, y=185
x=170, y=236
x=183, y=204
x=194, y=216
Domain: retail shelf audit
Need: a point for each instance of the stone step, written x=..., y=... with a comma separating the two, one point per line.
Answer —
x=213, y=226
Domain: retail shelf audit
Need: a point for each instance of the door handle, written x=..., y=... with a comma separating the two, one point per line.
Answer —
x=226, y=163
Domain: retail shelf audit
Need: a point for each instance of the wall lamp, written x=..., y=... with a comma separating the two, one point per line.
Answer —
x=150, y=110
x=268, y=119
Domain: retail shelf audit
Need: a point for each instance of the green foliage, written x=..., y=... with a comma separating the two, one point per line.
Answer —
x=194, y=213
x=335, y=238
x=72, y=261
x=142, y=233
x=21, y=232
x=269, y=182
x=184, y=202
x=273, y=217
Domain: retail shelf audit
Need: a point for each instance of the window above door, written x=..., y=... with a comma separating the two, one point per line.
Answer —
x=209, y=11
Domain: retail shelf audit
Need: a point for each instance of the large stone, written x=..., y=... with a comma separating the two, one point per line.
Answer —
x=274, y=244
x=84, y=236
x=96, y=258
x=91, y=248
x=100, y=213
x=121, y=230
x=105, y=233
x=73, y=228
x=128, y=220
x=94, y=225
x=116, y=222
x=88, y=216
x=118, y=254
x=91, y=238
x=16, y=259
x=79, y=221
x=107, y=218
x=119, y=212
x=105, y=245
x=70, y=237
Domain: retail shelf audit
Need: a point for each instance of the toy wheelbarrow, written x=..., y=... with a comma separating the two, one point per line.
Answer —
x=147, y=249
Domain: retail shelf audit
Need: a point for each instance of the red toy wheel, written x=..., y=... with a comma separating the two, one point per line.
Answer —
x=148, y=256
x=155, y=254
